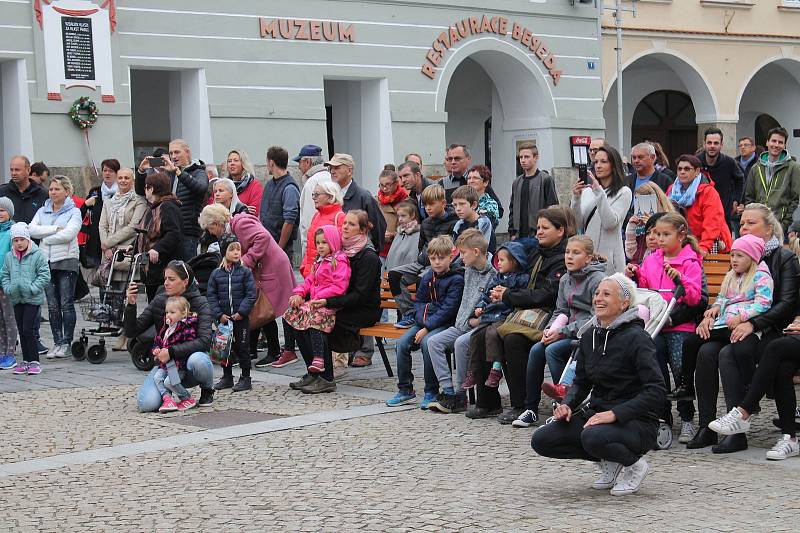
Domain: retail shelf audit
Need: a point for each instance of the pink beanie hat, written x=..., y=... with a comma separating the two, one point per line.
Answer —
x=751, y=245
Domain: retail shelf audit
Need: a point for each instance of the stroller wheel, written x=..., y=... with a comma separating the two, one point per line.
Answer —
x=141, y=356
x=97, y=354
x=78, y=351
x=664, y=437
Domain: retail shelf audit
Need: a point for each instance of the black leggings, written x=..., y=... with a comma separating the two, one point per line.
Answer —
x=619, y=443
x=779, y=363
x=309, y=342
x=270, y=331
x=240, y=348
x=515, y=352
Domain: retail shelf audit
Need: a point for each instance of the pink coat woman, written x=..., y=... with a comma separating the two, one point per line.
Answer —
x=261, y=254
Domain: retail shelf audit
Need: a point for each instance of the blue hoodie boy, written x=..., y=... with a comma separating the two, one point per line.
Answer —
x=518, y=279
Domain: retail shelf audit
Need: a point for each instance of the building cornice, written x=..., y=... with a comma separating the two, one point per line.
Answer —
x=710, y=35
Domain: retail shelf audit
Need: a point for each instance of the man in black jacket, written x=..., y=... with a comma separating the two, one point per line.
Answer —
x=26, y=195
x=458, y=161
x=724, y=171
x=356, y=197
x=189, y=184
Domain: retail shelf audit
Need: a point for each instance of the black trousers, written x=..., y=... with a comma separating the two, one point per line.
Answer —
x=306, y=341
x=619, y=443
x=25, y=316
x=779, y=363
x=516, y=348
x=270, y=331
x=240, y=348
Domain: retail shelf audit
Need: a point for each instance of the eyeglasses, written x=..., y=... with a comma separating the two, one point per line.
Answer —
x=448, y=159
x=318, y=194
x=386, y=185
x=148, y=187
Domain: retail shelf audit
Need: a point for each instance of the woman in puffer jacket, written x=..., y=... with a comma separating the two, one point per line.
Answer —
x=56, y=225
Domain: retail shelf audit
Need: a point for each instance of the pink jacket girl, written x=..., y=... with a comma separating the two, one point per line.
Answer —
x=330, y=275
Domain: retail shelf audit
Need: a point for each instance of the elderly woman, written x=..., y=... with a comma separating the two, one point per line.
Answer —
x=358, y=308
x=390, y=193
x=224, y=192
x=479, y=178
x=57, y=224
x=178, y=281
x=695, y=197
x=602, y=205
x=91, y=253
x=617, y=365
x=164, y=230
x=328, y=200
x=714, y=360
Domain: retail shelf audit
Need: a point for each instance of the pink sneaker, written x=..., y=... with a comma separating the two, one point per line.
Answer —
x=168, y=405
x=317, y=366
x=286, y=358
x=34, y=368
x=188, y=403
x=21, y=368
x=494, y=378
x=556, y=391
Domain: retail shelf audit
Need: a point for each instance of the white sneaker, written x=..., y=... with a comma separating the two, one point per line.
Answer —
x=61, y=351
x=783, y=449
x=608, y=475
x=687, y=432
x=51, y=353
x=731, y=424
x=630, y=478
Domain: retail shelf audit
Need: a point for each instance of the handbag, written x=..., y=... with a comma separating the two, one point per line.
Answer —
x=527, y=322
x=262, y=312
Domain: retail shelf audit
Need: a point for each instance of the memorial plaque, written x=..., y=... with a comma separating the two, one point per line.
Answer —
x=78, y=48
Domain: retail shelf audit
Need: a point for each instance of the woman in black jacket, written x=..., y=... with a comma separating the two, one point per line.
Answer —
x=758, y=220
x=617, y=365
x=162, y=241
x=546, y=263
x=93, y=206
x=360, y=307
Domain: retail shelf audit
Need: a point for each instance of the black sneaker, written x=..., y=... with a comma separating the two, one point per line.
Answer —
x=267, y=360
x=449, y=403
x=206, y=398
x=510, y=415
x=318, y=386
x=302, y=382
x=262, y=345
x=476, y=413
x=225, y=382
x=41, y=348
x=243, y=384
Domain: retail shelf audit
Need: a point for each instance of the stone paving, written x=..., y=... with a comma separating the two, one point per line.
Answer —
x=390, y=471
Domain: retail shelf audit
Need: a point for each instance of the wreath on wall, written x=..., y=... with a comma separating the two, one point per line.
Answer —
x=83, y=112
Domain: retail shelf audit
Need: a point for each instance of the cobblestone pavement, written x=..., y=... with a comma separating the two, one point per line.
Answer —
x=397, y=471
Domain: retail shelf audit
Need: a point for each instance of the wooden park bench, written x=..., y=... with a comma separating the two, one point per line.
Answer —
x=715, y=267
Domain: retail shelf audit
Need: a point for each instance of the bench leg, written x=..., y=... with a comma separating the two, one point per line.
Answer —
x=382, y=349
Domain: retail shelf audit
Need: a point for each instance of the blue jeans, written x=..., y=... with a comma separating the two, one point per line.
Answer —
x=199, y=371
x=60, y=293
x=405, y=377
x=189, y=248
x=555, y=355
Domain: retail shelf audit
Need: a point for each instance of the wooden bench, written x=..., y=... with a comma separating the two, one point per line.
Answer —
x=386, y=330
x=715, y=267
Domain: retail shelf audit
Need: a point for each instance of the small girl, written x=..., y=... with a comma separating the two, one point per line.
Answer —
x=179, y=326
x=746, y=291
x=643, y=245
x=512, y=264
x=638, y=245
x=405, y=246
x=585, y=271
x=231, y=295
x=8, y=325
x=329, y=277
x=678, y=258
x=24, y=276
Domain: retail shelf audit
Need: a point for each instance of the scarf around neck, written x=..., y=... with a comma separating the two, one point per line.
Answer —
x=108, y=192
x=352, y=245
x=117, y=206
x=242, y=184
x=390, y=199
x=685, y=197
x=771, y=245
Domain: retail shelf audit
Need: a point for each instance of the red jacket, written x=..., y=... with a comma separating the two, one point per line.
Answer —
x=330, y=214
x=707, y=220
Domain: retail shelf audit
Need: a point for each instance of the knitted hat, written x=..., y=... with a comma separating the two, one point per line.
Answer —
x=750, y=244
x=20, y=229
x=226, y=240
x=8, y=205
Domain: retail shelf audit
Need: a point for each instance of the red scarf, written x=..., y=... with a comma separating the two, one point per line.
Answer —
x=391, y=199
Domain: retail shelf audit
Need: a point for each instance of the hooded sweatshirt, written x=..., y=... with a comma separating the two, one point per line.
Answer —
x=775, y=184
x=618, y=365
x=405, y=246
x=477, y=284
x=755, y=301
x=689, y=263
x=330, y=275
x=495, y=311
x=575, y=294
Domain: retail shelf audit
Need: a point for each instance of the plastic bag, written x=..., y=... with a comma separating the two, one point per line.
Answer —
x=221, y=344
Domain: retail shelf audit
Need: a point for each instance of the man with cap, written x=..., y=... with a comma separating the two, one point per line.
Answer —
x=356, y=197
x=310, y=162
x=26, y=195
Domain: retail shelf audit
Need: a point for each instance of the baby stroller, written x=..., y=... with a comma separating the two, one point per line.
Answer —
x=655, y=313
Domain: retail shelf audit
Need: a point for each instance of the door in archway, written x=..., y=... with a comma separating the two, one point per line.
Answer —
x=669, y=118
x=764, y=123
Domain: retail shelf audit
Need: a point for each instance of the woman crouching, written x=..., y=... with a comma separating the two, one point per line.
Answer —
x=617, y=364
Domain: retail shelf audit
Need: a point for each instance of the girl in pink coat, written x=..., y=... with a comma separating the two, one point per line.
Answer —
x=329, y=277
x=271, y=269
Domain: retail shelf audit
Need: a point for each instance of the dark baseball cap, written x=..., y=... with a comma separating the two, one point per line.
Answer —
x=309, y=150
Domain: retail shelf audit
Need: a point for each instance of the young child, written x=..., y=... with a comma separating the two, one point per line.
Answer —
x=8, y=324
x=479, y=273
x=435, y=309
x=638, y=244
x=179, y=326
x=405, y=246
x=678, y=258
x=440, y=221
x=585, y=271
x=24, y=276
x=329, y=277
x=746, y=291
x=638, y=247
x=231, y=295
x=465, y=204
x=512, y=264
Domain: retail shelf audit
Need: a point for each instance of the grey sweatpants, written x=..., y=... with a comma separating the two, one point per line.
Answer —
x=457, y=340
x=8, y=326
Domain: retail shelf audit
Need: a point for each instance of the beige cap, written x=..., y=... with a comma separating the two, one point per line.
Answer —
x=341, y=159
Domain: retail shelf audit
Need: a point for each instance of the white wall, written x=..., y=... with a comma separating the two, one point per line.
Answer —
x=189, y=116
x=15, y=114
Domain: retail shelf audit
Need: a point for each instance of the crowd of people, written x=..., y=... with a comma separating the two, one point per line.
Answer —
x=561, y=293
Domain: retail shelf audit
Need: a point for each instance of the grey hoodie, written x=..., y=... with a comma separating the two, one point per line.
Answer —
x=476, y=283
x=575, y=293
x=404, y=248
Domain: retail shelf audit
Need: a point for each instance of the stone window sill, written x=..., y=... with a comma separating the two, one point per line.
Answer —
x=730, y=4
x=794, y=8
